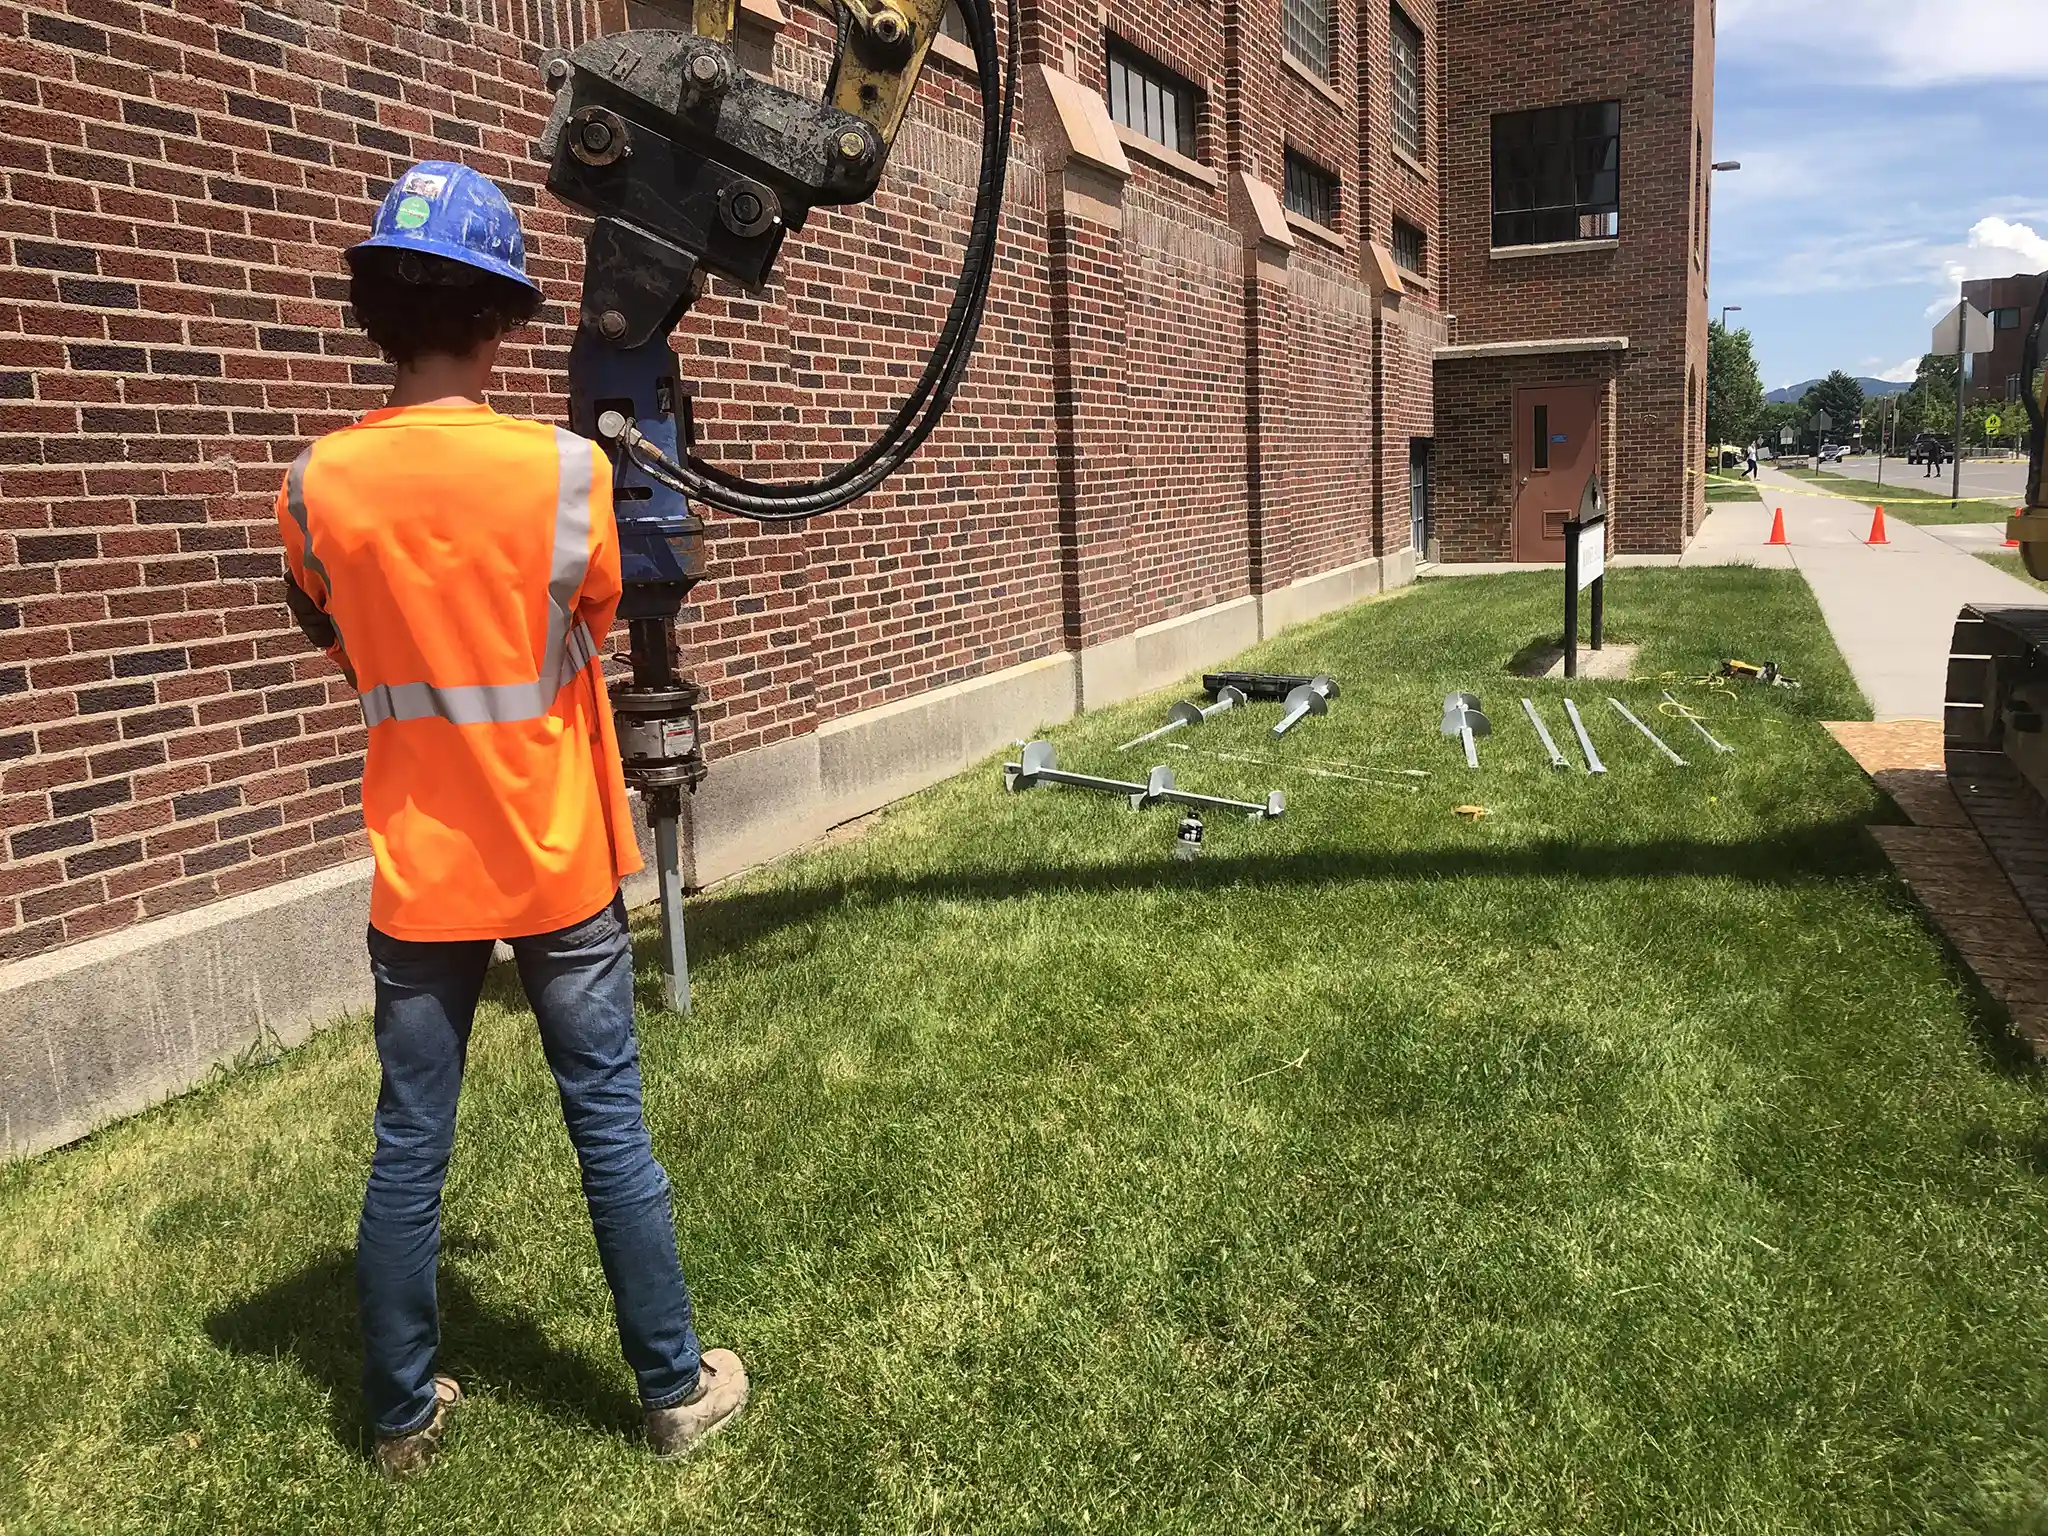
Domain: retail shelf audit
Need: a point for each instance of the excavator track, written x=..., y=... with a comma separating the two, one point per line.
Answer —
x=1994, y=742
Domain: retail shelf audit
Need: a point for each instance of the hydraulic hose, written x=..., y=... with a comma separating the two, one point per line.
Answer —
x=920, y=414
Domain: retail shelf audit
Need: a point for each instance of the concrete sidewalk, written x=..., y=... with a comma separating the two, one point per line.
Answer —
x=1893, y=607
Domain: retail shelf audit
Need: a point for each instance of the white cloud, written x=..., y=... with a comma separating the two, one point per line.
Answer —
x=1905, y=373
x=1998, y=248
x=1892, y=42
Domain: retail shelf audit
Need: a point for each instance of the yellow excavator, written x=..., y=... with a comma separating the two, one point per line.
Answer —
x=1993, y=736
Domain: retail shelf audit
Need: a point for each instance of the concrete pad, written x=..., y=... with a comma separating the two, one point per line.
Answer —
x=1611, y=663
x=1971, y=538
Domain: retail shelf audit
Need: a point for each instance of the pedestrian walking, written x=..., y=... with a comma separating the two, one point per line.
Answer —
x=460, y=567
x=1750, y=459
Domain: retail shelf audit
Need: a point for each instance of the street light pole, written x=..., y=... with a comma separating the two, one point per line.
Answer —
x=1726, y=310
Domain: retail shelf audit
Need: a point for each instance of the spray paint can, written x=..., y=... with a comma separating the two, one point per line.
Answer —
x=1187, y=842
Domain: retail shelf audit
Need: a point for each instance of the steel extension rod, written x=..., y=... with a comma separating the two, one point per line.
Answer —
x=1654, y=737
x=1543, y=731
x=1161, y=787
x=1593, y=763
x=1040, y=765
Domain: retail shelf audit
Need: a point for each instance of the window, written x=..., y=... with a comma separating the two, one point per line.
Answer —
x=1411, y=248
x=1557, y=174
x=1151, y=100
x=1540, y=458
x=1311, y=191
x=954, y=25
x=1406, y=46
x=1305, y=30
x=2005, y=319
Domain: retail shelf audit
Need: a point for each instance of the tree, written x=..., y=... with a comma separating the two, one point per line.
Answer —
x=1841, y=397
x=1930, y=405
x=1735, y=391
x=1773, y=418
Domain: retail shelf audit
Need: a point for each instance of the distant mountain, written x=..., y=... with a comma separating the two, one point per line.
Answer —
x=1871, y=388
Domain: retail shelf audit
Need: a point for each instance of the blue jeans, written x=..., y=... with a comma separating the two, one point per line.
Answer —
x=580, y=982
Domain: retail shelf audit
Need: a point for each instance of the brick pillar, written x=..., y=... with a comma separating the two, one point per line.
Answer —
x=1086, y=172
x=1269, y=324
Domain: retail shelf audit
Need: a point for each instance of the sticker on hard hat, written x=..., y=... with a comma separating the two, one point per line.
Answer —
x=426, y=185
x=412, y=212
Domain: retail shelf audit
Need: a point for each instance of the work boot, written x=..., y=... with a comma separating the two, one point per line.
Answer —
x=721, y=1393
x=400, y=1456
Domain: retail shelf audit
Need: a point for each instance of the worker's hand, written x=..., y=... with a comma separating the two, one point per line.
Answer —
x=312, y=620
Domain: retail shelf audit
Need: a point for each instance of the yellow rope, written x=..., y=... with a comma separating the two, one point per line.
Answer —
x=1806, y=488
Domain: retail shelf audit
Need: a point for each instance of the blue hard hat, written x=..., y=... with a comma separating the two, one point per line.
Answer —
x=439, y=208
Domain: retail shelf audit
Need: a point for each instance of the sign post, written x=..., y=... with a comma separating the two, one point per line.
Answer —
x=1585, y=565
x=1964, y=330
x=1822, y=422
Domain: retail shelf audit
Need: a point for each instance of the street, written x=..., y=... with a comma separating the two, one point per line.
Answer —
x=1992, y=479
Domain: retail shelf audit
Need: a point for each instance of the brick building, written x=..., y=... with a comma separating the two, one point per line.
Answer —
x=1218, y=352
x=2011, y=303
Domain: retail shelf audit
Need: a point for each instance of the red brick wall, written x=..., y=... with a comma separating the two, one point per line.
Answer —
x=1151, y=425
x=1657, y=60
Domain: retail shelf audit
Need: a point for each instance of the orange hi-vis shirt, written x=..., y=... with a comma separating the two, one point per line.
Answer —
x=470, y=564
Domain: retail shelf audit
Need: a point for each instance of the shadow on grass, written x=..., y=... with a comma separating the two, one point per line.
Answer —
x=728, y=922
x=310, y=1318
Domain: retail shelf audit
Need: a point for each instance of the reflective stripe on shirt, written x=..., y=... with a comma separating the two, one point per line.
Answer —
x=569, y=647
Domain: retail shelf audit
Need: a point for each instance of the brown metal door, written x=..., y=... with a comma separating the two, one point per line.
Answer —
x=1557, y=450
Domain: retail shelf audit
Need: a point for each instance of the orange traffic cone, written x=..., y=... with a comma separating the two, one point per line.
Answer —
x=1778, y=529
x=1877, y=529
x=2010, y=541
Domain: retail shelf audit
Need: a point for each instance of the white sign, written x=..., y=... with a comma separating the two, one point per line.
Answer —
x=1592, y=553
x=1976, y=331
x=1787, y=436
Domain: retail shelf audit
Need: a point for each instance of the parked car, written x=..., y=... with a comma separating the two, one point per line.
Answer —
x=1925, y=447
x=1829, y=452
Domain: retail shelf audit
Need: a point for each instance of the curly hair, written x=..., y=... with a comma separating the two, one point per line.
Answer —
x=411, y=304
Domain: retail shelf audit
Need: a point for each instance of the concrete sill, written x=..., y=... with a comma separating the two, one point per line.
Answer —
x=1554, y=248
x=1172, y=160
x=1402, y=157
x=1310, y=78
x=956, y=53
x=1414, y=282
x=1317, y=232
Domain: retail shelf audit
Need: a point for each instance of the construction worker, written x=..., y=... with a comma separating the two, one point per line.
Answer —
x=461, y=567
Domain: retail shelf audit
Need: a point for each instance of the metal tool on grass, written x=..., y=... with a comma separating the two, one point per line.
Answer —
x=1040, y=765
x=1593, y=763
x=1543, y=732
x=1685, y=713
x=1629, y=715
x=1185, y=713
x=1464, y=719
x=1310, y=698
x=1162, y=787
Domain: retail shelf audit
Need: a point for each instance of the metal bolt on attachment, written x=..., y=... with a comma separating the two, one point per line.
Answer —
x=704, y=69
x=853, y=145
x=558, y=70
x=889, y=28
x=611, y=325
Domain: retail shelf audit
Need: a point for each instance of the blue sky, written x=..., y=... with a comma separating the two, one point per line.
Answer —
x=1890, y=148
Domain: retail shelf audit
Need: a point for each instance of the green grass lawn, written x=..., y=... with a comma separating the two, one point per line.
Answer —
x=1628, y=1160
x=2009, y=561
x=1911, y=499
x=1724, y=489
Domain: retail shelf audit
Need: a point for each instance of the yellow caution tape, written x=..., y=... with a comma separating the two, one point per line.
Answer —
x=1806, y=488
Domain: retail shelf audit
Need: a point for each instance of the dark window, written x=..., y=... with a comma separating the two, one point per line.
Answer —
x=1406, y=46
x=1411, y=248
x=1311, y=191
x=954, y=25
x=1557, y=174
x=1541, y=460
x=1150, y=99
x=2006, y=319
x=1305, y=29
